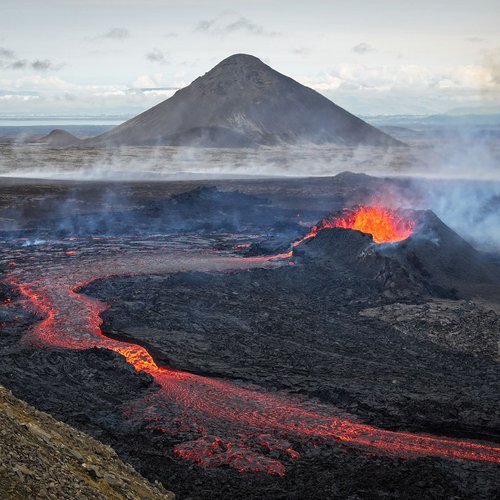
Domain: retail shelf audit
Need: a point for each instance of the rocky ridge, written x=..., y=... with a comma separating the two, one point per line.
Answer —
x=41, y=457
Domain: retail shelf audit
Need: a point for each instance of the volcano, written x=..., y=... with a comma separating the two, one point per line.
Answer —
x=410, y=251
x=243, y=102
x=59, y=139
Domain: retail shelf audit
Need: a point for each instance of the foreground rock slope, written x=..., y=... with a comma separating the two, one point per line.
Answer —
x=43, y=458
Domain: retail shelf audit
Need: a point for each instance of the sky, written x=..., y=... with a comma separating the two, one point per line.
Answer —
x=372, y=57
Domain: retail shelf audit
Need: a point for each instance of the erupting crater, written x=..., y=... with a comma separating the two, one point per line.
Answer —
x=386, y=225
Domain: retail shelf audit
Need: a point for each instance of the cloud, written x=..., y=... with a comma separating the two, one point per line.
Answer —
x=220, y=26
x=153, y=83
x=146, y=81
x=171, y=34
x=464, y=77
x=363, y=48
x=9, y=60
x=36, y=83
x=4, y=92
x=106, y=51
x=6, y=53
x=52, y=94
x=19, y=64
x=410, y=88
x=155, y=92
x=244, y=24
x=323, y=83
x=116, y=34
x=460, y=81
x=157, y=56
x=301, y=51
x=46, y=65
x=205, y=25
x=491, y=76
x=37, y=65
x=18, y=98
x=475, y=39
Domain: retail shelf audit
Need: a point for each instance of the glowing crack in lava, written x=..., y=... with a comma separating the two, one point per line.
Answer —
x=225, y=423
x=384, y=224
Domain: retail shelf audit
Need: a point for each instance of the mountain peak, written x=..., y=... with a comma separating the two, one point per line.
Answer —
x=244, y=59
x=237, y=72
x=243, y=101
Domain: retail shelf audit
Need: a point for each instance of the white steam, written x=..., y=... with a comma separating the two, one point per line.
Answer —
x=463, y=163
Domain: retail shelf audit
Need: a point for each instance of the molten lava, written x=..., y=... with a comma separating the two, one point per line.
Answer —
x=384, y=224
x=225, y=423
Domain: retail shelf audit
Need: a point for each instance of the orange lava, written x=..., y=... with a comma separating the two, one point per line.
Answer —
x=384, y=224
x=227, y=424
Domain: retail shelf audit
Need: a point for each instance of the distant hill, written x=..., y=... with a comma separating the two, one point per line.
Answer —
x=59, y=139
x=243, y=102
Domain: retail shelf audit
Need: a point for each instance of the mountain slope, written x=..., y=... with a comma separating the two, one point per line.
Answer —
x=59, y=139
x=43, y=458
x=242, y=102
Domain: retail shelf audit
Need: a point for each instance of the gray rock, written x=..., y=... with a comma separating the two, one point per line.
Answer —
x=244, y=102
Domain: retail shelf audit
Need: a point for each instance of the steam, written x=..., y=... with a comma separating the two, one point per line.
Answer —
x=454, y=171
x=472, y=209
x=33, y=242
x=141, y=163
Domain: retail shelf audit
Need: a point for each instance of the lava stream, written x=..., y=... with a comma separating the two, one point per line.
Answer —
x=232, y=425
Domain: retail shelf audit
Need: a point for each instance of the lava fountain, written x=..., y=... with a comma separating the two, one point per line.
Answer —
x=386, y=225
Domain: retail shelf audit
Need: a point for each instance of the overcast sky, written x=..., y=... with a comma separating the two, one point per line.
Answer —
x=369, y=56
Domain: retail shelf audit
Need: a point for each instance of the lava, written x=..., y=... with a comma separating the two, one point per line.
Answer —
x=227, y=424
x=384, y=224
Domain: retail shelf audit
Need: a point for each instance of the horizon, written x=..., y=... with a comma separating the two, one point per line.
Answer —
x=122, y=57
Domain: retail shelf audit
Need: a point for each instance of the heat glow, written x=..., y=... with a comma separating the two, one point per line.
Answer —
x=218, y=422
x=384, y=224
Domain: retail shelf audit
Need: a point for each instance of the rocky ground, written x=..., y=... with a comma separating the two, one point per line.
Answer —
x=306, y=330
x=43, y=458
x=459, y=325
x=378, y=339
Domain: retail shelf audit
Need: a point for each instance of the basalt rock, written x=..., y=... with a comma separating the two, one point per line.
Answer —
x=433, y=260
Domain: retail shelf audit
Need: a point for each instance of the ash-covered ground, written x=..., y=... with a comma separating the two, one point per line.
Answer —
x=402, y=337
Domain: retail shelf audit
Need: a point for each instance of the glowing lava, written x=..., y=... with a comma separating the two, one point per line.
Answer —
x=225, y=423
x=384, y=224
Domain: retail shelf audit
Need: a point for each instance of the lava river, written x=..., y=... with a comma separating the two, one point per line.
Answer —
x=225, y=423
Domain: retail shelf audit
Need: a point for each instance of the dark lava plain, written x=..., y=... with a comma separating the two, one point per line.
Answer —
x=344, y=334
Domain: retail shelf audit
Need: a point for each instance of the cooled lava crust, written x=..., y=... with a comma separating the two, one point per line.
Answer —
x=296, y=329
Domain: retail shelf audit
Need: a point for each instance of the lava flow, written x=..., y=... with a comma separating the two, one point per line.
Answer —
x=384, y=224
x=225, y=423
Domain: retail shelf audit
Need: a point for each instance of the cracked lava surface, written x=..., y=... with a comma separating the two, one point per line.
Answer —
x=218, y=422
